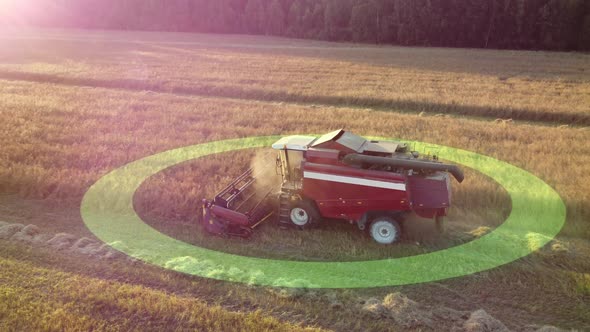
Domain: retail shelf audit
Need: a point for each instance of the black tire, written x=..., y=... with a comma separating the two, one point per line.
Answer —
x=385, y=230
x=304, y=214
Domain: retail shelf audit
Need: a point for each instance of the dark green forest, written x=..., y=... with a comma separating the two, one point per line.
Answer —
x=503, y=24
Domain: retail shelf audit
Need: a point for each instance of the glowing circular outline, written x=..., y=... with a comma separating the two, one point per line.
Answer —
x=538, y=214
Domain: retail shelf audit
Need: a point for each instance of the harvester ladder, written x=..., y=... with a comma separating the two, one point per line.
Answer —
x=284, y=208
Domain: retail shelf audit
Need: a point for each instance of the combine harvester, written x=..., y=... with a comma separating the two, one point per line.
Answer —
x=339, y=176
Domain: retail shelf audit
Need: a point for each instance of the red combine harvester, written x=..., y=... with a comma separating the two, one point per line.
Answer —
x=340, y=176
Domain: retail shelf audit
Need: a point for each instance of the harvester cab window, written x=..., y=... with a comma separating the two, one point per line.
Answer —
x=295, y=160
x=291, y=165
x=282, y=163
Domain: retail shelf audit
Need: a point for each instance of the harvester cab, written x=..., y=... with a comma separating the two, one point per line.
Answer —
x=290, y=158
x=342, y=176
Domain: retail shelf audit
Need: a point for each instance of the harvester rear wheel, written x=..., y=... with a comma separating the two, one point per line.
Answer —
x=385, y=230
x=303, y=214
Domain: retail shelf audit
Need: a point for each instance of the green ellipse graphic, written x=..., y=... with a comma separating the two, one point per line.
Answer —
x=538, y=214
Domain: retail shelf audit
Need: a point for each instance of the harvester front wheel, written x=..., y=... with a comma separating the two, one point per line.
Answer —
x=385, y=230
x=303, y=214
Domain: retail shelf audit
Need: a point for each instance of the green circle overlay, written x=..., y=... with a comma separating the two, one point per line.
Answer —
x=538, y=214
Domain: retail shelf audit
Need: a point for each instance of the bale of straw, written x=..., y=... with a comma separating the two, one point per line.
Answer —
x=31, y=230
x=375, y=308
x=7, y=231
x=404, y=311
x=481, y=321
x=61, y=240
x=101, y=250
x=82, y=243
x=22, y=237
x=112, y=254
x=41, y=239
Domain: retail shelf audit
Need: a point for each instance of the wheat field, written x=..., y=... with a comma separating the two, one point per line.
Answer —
x=75, y=105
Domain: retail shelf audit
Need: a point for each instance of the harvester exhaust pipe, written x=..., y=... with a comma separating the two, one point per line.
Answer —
x=358, y=159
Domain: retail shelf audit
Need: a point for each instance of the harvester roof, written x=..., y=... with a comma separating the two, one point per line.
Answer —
x=348, y=142
x=340, y=140
x=293, y=143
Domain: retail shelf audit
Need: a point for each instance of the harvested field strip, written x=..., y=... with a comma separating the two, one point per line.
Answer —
x=339, y=309
x=41, y=299
x=239, y=92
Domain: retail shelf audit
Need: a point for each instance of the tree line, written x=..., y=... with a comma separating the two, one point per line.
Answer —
x=504, y=24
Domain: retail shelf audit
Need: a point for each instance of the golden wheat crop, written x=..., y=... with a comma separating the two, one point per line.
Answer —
x=77, y=106
x=507, y=84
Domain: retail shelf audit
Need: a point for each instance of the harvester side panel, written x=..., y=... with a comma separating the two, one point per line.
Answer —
x=348, y=193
